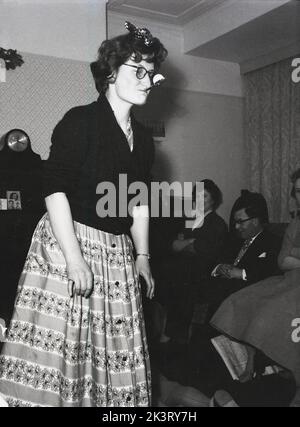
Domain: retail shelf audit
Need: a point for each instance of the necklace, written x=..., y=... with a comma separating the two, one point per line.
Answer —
x=129, y=134
x=128, y=128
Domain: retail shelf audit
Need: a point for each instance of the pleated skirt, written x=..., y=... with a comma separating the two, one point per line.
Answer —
x=63, y=351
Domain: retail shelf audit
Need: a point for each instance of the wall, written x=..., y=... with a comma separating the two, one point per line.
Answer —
x=58, y=39
x=202, y=106
x=204, y=139
x=36, y=95
x=63, y=28
x=226, y=18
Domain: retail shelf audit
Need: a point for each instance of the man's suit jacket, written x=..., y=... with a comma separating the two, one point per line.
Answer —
x=260, y=260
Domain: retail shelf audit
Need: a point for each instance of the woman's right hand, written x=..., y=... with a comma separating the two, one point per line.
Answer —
x=79, y=274
x=80, y=278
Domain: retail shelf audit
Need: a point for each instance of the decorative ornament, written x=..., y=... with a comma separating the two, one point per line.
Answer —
x=11, y=58
x=158, y=79
x=16, y=140
x=140, y=33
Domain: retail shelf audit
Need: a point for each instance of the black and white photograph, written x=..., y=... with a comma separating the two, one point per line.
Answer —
x=3, y=204
x=14, y=200
x=150, y=205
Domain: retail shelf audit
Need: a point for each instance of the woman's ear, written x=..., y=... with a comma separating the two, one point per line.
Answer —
x=112, y=78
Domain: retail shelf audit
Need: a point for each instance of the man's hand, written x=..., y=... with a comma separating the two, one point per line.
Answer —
x=223, y=270
x=236, y=273
x=229, y=272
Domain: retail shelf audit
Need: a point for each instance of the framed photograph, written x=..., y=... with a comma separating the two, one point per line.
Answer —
x=13, y=200
x=3, y=204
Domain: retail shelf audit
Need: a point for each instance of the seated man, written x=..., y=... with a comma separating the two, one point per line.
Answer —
x=252, y=258
x=246, y=260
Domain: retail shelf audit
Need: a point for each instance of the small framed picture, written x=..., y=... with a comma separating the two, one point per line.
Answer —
x=3, y=204
x=14, y=200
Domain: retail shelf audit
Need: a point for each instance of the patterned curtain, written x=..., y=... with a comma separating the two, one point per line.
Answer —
x=272, y=125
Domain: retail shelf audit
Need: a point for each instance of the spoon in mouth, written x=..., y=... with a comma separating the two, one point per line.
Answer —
x=158, y=79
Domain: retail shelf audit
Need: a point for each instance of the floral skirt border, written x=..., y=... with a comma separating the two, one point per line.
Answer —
x=63, y=351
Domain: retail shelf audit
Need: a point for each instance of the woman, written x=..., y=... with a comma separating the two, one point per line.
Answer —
x=266, y=315
x=197, y=250
x=77, y=337
x=207, y=237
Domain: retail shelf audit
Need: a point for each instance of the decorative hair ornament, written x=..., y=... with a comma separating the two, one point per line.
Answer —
x=11, y=58
x=140, y=33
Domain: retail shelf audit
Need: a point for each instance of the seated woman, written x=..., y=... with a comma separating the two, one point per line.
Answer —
x=196, y=250
x=205, y=240
x=267, y=315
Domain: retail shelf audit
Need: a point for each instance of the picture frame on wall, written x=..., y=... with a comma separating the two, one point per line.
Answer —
x=13, y=200
x=3, y=204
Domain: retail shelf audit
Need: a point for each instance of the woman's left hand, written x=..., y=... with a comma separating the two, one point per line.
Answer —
x=190, y=247
x=143, y=269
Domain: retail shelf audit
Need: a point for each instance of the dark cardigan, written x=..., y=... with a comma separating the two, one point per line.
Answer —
x=88, y=148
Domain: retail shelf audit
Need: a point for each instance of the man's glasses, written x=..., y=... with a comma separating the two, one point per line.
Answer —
x=141, y=72
x=241, y=221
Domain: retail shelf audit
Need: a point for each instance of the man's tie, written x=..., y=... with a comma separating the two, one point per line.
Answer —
x=242, y=252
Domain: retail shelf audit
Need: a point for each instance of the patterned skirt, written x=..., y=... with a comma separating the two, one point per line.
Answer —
x=63, y=351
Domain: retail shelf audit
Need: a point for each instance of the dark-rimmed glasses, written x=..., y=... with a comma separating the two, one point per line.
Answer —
x=141, y=72
x=241, y=221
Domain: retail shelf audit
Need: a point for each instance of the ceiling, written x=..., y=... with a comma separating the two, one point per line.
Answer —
x=276, y=28
x=177, y=12
x=271, y=32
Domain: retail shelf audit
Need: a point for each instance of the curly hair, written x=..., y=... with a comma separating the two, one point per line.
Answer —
x=115, y=52
x=294, y=178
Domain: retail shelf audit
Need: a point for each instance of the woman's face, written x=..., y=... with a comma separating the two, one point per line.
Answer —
x=128, y=87
x=205, y=201
x=208, y=202
x=297, y=192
